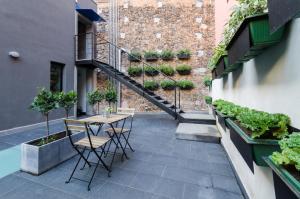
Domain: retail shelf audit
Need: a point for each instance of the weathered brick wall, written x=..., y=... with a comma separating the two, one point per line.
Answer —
x=169, y=24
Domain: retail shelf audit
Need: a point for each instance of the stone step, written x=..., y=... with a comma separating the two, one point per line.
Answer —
x=198, y=132
x=198, y=118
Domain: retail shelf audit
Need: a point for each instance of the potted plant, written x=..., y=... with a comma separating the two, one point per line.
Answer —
x=183, y=69
x=168, y=85
x=111, y=95
x=95, y=98
x=167, y=70
x=151, y=56
x=185, y=85
x=135, y=71
x=184, y=54
x=135, y=56
x=151, y=71
x=167, y=55
x=151, y=85
x=67, y=101
x=42, y=154
x=285, y=166
x=207, y=81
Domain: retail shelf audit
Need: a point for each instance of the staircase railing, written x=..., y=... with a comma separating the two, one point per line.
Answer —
x=88, y=44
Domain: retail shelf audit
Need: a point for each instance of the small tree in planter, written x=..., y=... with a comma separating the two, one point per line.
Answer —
x=67, y=101
x=151, y=56
x=167, y=55
x=95, y=97
x=110, y=95
x=184, y=54
x=44, y=102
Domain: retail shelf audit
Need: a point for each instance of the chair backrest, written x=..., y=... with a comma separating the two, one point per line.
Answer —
x=126, y=111
x=75, y=126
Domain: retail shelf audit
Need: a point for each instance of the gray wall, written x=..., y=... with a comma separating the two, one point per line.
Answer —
x=41, y=31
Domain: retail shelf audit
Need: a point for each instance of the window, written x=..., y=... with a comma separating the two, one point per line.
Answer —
x=56, y=77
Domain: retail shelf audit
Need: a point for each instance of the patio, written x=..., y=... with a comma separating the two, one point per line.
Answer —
x=160, y=167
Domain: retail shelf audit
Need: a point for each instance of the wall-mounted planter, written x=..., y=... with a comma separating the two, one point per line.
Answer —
x=183, y=56
x=285, y=184
x=221, y=66
x=38, y=159
x=214, y=74
x=252, y=150
x=222, y=119
x=252, y=37
x=214, y=113
x=151, y=59
x=134, y=58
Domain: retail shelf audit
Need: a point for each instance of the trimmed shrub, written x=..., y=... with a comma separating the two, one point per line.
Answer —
x=167, y=55
x=184, y=54
x=151, y=56
x=135, y=56
x=167, y=70
x=151, y=71
x=208, y=100
x=135, y=71
x=168, y=85
x=184, y=69
x=151, y=85
x=207, y=81
x=185, y=85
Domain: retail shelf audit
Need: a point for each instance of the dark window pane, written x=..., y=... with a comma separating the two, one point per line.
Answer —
x=56, y=77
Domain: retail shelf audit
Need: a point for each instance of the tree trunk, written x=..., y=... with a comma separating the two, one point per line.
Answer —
x=47, y=123
x=98, y=108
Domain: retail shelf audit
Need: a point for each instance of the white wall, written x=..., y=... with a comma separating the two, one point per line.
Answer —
x=270, y=82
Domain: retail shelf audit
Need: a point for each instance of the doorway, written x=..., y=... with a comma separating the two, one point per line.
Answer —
x=84, y=39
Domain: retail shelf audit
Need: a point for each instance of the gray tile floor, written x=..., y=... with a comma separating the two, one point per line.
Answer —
x=160, y=168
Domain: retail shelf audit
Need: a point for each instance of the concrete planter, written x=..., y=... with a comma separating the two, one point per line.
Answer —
x=38, y=159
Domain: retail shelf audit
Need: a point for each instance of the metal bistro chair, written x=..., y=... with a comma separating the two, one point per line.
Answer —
x=89, y=143
x=119, y=131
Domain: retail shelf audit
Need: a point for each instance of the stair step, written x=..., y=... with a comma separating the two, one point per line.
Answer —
x=170, y=106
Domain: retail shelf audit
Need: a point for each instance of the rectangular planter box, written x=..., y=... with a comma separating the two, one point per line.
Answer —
x=214, y=74
x=214, y=111
x=222, y=119
x=252, y=150
x=252, y=37
x=285, y=185
x=38, y=159
x=221, y=66
x=184, y=57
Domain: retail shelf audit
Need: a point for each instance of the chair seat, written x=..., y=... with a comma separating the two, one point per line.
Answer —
x=118, y=130
x=96, y=141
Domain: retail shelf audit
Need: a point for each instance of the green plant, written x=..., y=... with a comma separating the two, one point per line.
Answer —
x=66, y=101
x=135, y=71
x=151, y=85
x=167, y=70
x=168, y=84
x=185, y=84
x=208, y=100
x=184, y=69
x=135, y=56
x=207, y=81
x=44, y=102
x=95, y=97
x=184, y=53
x=219, y=51
x=290, y=151
x=111, y=95
x=151, y=71
x=167, y=55
x=151, y=55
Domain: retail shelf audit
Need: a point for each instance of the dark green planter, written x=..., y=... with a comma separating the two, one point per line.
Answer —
x=221, y=66
x=285, y=185
x=214, y=74
x=222, y=119
x=252, y=150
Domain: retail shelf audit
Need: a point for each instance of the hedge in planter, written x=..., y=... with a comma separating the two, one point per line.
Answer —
x=185, y=85
x=168, y=85
x=151, y=56
x=151, y=85
x=151, y=71
x=167, y=70
x=184, y=54
x=135, y=57
x=184, y=69
x=167, y=55
x=135, y=71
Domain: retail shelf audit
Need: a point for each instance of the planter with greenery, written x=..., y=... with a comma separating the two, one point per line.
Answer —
x=135, y=57
x=167, y=55
x=168, y=85
x=207, y=81
x=135, y=71
x=167, y=70
x=151, y=56
x=184, y=54
x=286, y=167
x=183, y=69
x=208, y=101
x=110, y=95
x=95, y=98
x=42, y=154
x=151, y=85
x=185, y=85
x=151, y=71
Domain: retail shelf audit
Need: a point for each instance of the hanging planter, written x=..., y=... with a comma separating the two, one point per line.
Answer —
x=151, y=56
x=221, y=66
x=252, y=38
x=135, y=57
x=184, y=54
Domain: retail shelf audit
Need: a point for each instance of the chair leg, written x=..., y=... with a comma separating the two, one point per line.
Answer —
x=111, y=163
x=127, y=142
x=75, y=166
x=93, y=176
x=81, y=154
x=85, y=162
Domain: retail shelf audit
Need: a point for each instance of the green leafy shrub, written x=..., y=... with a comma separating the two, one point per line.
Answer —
x=290, y=151
x=167, y=55
x=151, y=55
x=167, y=70
x=110, y=94
x=228, y=108
x=67, y=101
x=184, y=54
x=135, y=56
x=207, y=81
x=135, y=71
x=208, y=100
x=151, y=71
x=168, y=85
x=151, y=85
x=185, y=85
x=184, y=69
